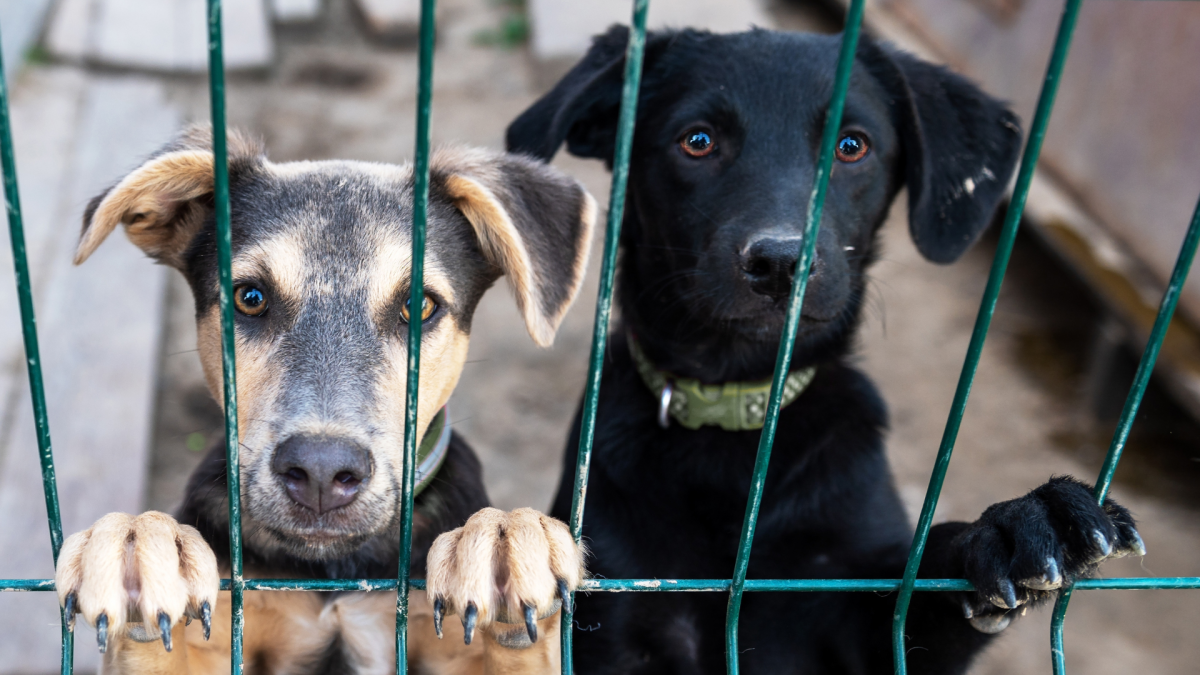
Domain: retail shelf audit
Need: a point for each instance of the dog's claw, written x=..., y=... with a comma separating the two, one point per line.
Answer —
x=102, y=633
x=438, y=609
x=164, y=627
x=1008, y=595
x=1050, y=579
x=69, y=611
x=565, y=594
x=968, y=610
x=1139, y=546
x=206, y=619
x=530, y=623
x=1053, y=575
x=1102, y=543
x=469, y=619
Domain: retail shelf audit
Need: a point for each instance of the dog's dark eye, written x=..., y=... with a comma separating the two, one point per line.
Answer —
x=249, y=300
x=427, y=307
x=852, y=147
x=697, y=143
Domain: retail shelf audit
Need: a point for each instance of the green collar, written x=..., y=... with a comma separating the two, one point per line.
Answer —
x=432, y=451
x=734, y=406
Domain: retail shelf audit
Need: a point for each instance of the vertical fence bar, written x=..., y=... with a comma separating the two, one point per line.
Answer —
x=783, y=360
x=612, y=235
x=216, y=81
x=416, y=299
x=983, y=320
x=33, y=359
x=1141, y=379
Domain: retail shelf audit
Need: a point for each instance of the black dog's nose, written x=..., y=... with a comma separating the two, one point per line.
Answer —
x=321, y=474
x=769, y=264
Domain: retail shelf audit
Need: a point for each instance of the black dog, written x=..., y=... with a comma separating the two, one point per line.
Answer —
x=724, y=158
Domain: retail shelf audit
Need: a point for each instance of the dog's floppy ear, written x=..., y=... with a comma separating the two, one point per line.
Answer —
x=583, y=107
x=533, y=222
x=164, y=202
x=960, y=147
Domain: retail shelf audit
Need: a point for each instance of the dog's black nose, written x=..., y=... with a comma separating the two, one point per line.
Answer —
x=321, y=474
x=769, y=264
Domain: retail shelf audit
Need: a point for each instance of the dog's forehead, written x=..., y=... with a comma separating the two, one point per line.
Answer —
x=338, y=208
x=762, y=74
x=306, y=223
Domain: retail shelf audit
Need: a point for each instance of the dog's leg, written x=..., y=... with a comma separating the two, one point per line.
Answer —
x=147, y=658
x=544, y=656
x=504, y=575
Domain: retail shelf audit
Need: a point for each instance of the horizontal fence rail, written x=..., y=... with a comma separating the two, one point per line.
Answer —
x=738, y=584
x=675, y=585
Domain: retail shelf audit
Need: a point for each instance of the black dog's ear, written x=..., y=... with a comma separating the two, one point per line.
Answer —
x=533, y=222
x=583, y=107
x=960, y=147
x=163, y=203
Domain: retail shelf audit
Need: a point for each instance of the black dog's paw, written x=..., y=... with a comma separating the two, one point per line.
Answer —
x=1022, y=551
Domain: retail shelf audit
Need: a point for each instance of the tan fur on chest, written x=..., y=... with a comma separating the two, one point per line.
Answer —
x=290, y=633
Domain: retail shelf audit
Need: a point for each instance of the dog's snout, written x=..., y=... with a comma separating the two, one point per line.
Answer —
x=769, y=265
x=321, y=474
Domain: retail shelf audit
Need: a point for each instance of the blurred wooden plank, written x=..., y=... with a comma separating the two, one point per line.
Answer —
x=1123, y=136
x=1124, y=258
x=69, y=35
x=159, y=35
x=20, y=27
x=563, y=29
x=393, y=21
x=45, y=110
x=100, y=327
x=295, y=11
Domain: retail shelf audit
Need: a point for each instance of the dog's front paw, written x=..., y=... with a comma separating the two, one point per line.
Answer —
x=138, y=574
x=503, y=568
x=1022, y=551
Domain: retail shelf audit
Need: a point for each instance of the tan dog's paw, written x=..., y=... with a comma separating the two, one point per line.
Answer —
x=140, y=574
x=503, y=568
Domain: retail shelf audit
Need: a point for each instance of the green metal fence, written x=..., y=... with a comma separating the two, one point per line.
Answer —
x=737, y=584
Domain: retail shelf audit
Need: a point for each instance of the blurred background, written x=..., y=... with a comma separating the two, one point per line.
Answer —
x=98, y=84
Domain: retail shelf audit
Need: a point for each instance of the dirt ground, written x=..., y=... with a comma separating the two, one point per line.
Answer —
x=335, y=94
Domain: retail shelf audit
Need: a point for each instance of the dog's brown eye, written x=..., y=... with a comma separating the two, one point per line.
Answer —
x=697, y=143
x=249, y=300
x=852, y=147
x=427, y=307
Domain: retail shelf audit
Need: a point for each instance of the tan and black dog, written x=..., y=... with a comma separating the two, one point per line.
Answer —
x=321, y=265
